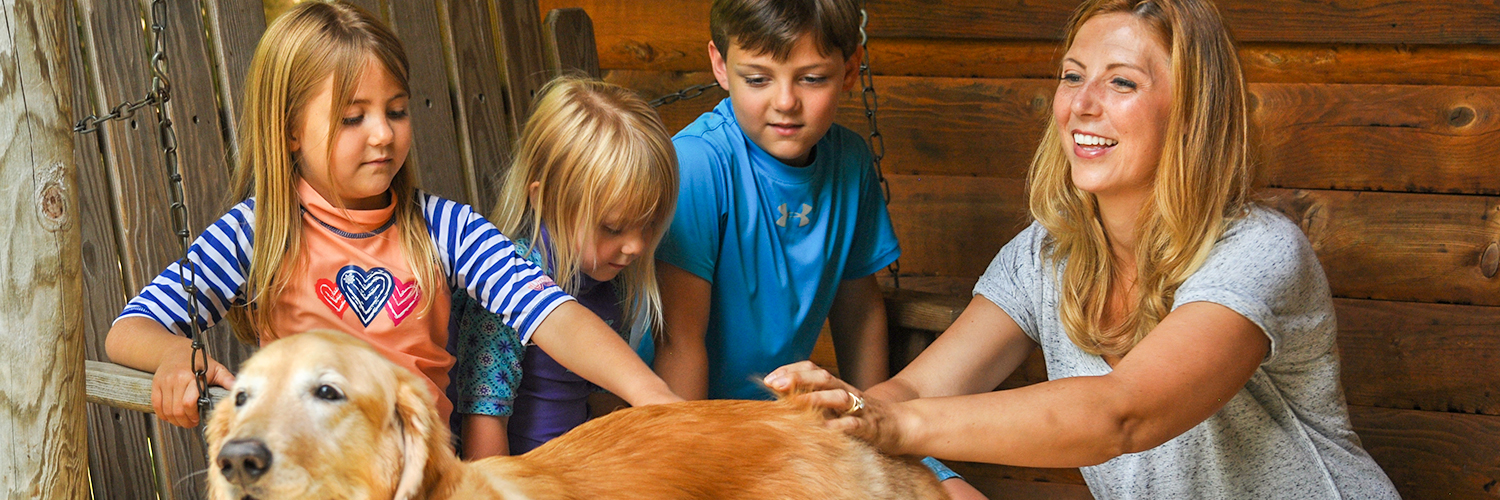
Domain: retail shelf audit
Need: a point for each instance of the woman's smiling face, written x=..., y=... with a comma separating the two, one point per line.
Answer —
x=1112, y=106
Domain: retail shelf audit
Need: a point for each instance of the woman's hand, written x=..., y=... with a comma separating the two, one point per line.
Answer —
x=174, y=388
x=883, y=424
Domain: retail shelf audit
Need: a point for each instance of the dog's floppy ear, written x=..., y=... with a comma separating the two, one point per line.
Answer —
x=415, y=416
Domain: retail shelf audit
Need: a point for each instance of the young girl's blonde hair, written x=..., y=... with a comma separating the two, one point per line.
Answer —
x=304, y=47
x=1202, y=182
x=595, y=150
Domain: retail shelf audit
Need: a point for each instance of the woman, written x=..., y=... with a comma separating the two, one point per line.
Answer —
x=1188, y=333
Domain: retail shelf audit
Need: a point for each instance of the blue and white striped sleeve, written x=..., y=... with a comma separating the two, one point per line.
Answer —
x=480, y=259
x=220, y=256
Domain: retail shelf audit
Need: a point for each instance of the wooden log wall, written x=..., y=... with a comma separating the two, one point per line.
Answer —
x=1377, y=124
x=475, y=66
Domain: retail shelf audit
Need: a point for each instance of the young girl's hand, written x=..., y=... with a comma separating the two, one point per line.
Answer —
x=174, y=388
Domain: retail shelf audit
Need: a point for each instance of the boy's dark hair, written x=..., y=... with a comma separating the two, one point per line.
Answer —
x=774, y=26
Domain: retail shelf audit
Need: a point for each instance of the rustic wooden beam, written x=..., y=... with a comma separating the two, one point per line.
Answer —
x=116, y=386
x=41, y=354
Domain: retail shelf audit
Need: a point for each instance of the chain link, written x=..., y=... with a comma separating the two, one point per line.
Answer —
x=688, y=93
x=160, y=96
x=877, y=141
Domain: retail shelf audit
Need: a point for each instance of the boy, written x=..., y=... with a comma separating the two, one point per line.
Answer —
x=780, y=219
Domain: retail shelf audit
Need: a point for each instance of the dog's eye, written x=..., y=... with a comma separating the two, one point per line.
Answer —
x=328, y=393
x=239, y=399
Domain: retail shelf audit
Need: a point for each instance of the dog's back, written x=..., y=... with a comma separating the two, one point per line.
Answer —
x=714, y=449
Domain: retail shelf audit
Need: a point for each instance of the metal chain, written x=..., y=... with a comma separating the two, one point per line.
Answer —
x=187, y=274
x=687, y=93
x=877, y=141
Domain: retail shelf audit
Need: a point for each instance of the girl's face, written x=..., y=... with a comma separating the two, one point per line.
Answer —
x=369, y=147
x=1112, y=106
x=611, y=248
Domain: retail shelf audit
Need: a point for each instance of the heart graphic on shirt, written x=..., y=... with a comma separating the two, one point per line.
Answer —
x=366, y=291
x=332, y=297
x=403, y=299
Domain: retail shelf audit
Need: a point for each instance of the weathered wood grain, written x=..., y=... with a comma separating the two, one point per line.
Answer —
x=234, y=26
x=1430, y=454
x=951, y=225
x=119, y=458
x=1379, y=137
x=1398, y=246
x=652, y=84
x=435, y=152
x=1420, y=356
x=1358, y=21
x=121, y=387
x=479, y=97
x=568, y=43
x=668, y=35
x=42, y=352
x=520, y=36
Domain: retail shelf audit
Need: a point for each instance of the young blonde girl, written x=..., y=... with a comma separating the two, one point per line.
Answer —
x=336, y=235
x=587, y=198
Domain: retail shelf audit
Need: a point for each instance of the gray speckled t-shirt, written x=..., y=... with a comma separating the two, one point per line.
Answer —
x=1286, y=434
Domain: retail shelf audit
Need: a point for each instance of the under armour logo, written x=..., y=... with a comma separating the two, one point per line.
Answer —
x=802, y=219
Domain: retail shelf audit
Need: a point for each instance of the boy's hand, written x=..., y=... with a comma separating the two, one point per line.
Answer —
x=174, y=388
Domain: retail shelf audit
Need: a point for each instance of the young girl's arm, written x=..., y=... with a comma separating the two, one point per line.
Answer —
x=143, y=344
x=582, y=343
x=485, y=436
x=139, y=340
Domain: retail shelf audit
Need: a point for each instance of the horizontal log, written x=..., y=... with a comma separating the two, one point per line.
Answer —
x=1399, y=246
x=1433, y=454
x=673, y=36
x=1379, y=137
x=1356, y=137
x=1354, y=21
x=113, y=385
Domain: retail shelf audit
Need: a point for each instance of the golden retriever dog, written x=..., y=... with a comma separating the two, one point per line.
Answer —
x=322, y=415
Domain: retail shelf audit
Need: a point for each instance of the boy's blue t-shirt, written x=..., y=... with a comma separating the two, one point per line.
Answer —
x=775, y=242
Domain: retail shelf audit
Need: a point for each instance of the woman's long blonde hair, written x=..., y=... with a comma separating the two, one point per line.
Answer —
x=1202, y=182
x=594, y=149
x=304, y=47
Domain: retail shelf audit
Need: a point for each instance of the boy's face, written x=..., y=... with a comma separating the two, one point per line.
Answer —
x=785, y=106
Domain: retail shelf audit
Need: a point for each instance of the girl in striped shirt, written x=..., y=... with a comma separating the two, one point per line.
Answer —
x=336, y=234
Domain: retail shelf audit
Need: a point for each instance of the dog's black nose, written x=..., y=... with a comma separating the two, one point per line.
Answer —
x=244, y=460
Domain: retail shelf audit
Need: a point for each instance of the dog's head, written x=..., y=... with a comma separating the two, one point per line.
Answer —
x=322, y=415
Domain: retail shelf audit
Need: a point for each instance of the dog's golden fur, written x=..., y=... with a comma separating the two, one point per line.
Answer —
x=381, y=438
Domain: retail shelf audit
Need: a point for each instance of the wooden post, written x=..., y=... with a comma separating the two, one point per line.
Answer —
x=41, y=353
x=568, y=43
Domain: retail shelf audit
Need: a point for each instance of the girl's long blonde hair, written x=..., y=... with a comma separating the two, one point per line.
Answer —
x=1202, y=181
x=304, y=47
x=594, y=149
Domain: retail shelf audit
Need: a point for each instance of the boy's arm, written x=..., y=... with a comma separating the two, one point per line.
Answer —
x=857, y=321
x=583, y=344
x=681, y=354
x=485, y=436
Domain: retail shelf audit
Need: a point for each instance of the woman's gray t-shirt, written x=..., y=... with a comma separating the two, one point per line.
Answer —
x=1286, y=434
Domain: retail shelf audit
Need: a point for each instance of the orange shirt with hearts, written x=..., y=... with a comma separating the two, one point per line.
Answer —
x=354, y=278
